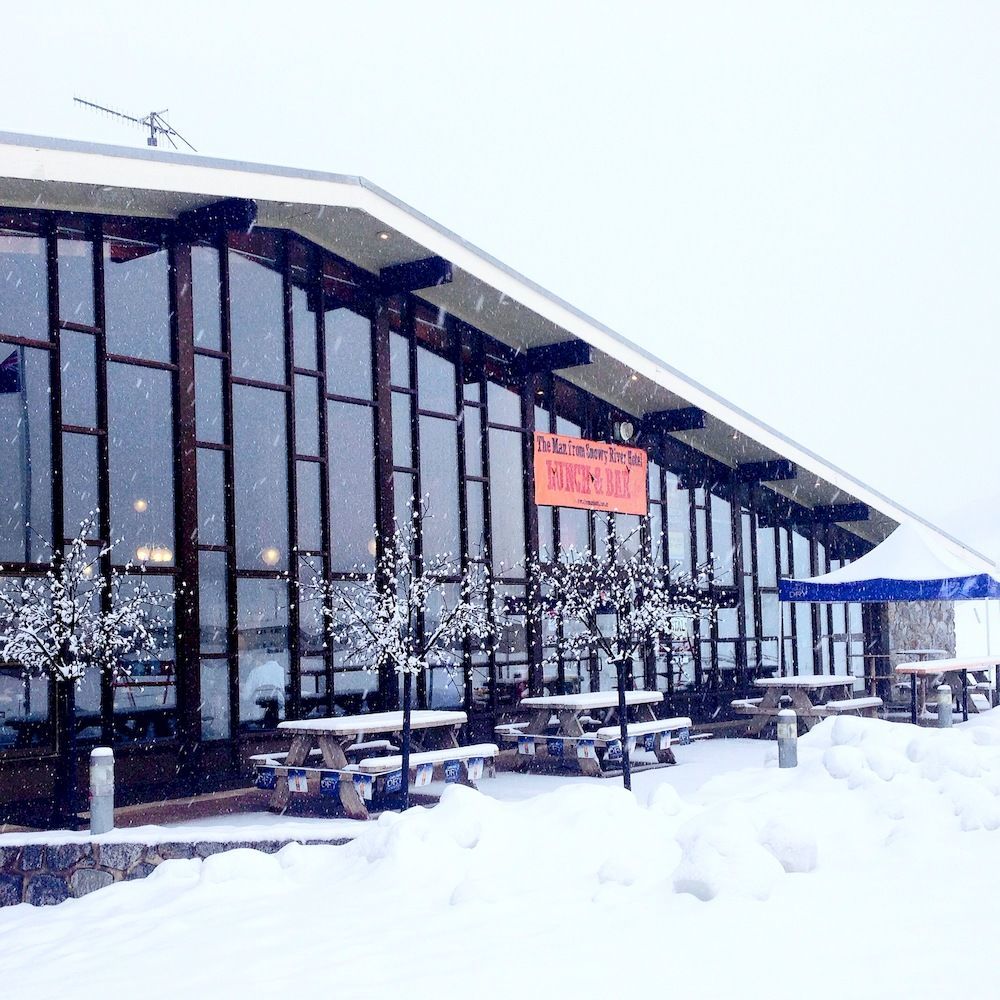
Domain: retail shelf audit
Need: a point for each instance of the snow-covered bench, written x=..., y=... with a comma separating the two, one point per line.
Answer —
x=748, y=706
x=376, y=777
x=859, y=706
x=453, y=763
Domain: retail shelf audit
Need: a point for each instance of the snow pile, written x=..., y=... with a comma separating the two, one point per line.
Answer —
x=881, y=830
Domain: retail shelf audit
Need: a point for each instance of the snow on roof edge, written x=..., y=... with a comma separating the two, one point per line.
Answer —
x=609, y=340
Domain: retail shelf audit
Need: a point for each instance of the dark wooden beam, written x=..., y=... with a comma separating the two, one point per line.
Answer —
x=552, y=357
x=833, y=513
x=764, y=472
x=414, y=275
x=688, y=418
x=228, y=215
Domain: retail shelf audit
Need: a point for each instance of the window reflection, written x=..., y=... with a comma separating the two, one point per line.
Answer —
x=25, y=455
x=206, y=292
x=506, y=507
x=256, y=310
x=262, y=641
x=348, y=354
x=76, y=281
x=136, y=299
x=352, y=486
x=261, y=486
x=24, y=303
x=439, y=484
x=140, y=458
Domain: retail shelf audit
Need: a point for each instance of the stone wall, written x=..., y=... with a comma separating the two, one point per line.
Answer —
x=44, y=874
x=922, y=625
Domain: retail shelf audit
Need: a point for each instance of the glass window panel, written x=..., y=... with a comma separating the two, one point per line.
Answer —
x=402, y=497
x=783, y=551
x=211, y=497
x=208, y=398
x=678, y=524
x=800, y=555
x=804, y=638
x=654, y=481
x=435, y=382
x=262, y=640
x=206, y=297
x=503, y=405
x=307, y=488
x=137, y=299
x=77, y=354
x=656, y=533
x=748, y=607
x=306, y=415
x=303, y=330
x=439, y=485
x=770, y=622
x=79, y=481
x=215, y=723
x=473, y=441
x=746, y=535
x=728, y=623
x=212, y=603
x=24, y=299
x=573, y=530
x=256, y=309
x=767, y=572
x=145, y=699
x=26, y=458
x=701, y=536
x=506, y=506
x=24, y=710
x=76, y=281
x=312, y=682
x=567, y=427
x=349, y=354
x=260, y=451
x=628, y=534
x=399, y=360
x=546, y=545
x=402, y=432
x=351, y=450
x=476, y=513
x=722, y=540
x=140, y=458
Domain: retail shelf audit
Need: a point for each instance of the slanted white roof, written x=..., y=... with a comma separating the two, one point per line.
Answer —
x=346, y=214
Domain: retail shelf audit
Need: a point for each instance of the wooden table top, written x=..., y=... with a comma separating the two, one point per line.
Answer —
x=592, y=699
x=926, y=668
x=375, y=722
x=806, y=681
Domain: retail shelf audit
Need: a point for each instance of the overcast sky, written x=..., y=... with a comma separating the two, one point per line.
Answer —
x=795, y=204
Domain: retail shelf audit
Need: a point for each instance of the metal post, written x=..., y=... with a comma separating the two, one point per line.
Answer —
x=404, y=788
x=788, y=738
x=623, y=725
x=913, y=698
x=944, y=706
x=965, y=695
x=102, y=790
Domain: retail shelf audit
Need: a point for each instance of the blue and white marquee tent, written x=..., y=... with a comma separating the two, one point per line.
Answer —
x=910, y=565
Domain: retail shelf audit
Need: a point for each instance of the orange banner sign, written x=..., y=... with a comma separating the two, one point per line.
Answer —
x=574, y=472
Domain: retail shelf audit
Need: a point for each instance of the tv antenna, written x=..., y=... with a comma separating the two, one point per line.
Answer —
x=154, y=121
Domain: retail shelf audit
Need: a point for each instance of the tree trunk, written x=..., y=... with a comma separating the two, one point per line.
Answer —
x=404, y=786
x=65, y=792
x=623, y=724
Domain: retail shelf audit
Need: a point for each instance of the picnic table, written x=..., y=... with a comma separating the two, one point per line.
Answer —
x=954, y=672
x=598, y=712
x=810, y=696
x=334, y=737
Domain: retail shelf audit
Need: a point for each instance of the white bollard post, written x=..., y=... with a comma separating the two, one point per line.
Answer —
x=102, y=790
x=788, y=738
x=944, y=710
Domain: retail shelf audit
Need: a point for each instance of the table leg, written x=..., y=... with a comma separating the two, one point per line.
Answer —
x=965, y=696
x=297, y=754
x=766, y=711
x=913, y=698
x=335, y=758
x=804, y=709
x=569, y=725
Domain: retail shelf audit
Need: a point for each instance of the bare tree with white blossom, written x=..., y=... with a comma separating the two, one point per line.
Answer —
x=616, y=604
x=72, y=619
x=411, y=613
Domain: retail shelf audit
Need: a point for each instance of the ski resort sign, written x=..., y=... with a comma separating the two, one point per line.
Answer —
x=594, y=475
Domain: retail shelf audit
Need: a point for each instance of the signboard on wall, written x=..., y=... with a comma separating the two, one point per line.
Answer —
x=594, y=475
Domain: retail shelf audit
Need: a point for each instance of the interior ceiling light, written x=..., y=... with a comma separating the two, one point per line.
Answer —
x=383, y=236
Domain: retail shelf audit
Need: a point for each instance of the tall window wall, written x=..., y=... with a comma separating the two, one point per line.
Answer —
x=287, y=429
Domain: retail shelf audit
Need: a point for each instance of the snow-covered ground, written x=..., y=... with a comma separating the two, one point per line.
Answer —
x=868, y=871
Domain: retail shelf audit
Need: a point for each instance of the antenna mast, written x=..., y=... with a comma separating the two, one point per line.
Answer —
x=154, y=121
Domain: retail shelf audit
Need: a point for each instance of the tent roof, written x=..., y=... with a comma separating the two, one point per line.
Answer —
x=910, y=565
